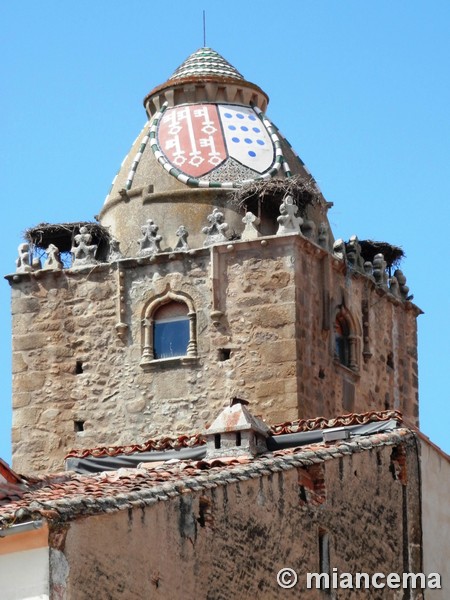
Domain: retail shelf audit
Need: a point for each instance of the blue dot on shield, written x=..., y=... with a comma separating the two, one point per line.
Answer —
x=239, y=115
x=248, y=141
x=251, y=153
x=252, y=117
x=236, y=139
x=256, y=129
x=232, y=127
x=260, y=142
x=228, y=115
x=244, y=128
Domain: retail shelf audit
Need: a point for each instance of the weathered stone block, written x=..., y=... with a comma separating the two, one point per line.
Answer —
x=29, y=382
x=29, y=341
x=280, y=351
x=19, y=364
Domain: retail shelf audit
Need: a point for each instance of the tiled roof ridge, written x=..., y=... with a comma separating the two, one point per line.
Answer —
x=158, y=444
x=302, y=425
x=197, y=439
x=90, y=500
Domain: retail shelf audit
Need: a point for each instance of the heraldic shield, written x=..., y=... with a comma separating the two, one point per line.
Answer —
x=197, y=138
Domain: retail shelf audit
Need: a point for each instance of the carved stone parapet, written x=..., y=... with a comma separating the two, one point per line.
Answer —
x=53, y=261
x=403, y=288
x=215, y=232
x=353, y=252
x=379, y=271
x=23, y=261
x=288, y=222
x=339, y=249
x=149, y=243
x=182, y=234
x=83, y=251
x=394, y=287
x=114, y=251
x=250, y=232
x=309, y=230
x=323, y=235
x=368, y=269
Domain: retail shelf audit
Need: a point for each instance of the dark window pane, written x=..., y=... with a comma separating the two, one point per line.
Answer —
x=171, y=338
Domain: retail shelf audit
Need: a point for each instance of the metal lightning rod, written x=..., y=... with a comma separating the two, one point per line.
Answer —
x=204, y=29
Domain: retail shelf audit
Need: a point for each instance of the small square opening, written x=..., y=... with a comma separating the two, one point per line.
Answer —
x=79, y=367
x=217, y=441
x=78, y=426
x=224, y=354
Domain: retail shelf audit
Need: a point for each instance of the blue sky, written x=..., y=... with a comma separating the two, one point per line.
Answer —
x=361, y=90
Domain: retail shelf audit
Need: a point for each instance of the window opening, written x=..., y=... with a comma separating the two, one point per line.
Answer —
x=171, y=331
x=342, y=340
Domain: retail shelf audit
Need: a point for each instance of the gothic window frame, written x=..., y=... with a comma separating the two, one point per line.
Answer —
x=346, y=346
x=148, y=359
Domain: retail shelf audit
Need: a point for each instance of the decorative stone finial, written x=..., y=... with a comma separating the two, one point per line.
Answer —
x=353, y=251
x=288, y=221
x=394, y=287
x=215, y=231
x=83, y=251
x=149, y=244
x=53, y=261
x=379, y=271
x=236, y=431
x=114, y=250
x=339, y=249
x=23, y=261
x=182, y=243
x=368, y=269
x=403, y=288
x=323, y=235
x=250, y=232
x=309, y=230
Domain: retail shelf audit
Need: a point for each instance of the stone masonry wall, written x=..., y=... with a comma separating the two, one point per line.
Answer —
x=265, y=332
x=230, y=541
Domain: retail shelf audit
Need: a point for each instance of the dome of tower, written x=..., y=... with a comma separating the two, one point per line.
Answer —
x=206, y=61
x=207, y=133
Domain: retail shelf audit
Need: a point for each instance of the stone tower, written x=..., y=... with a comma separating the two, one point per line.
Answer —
x=211, y=273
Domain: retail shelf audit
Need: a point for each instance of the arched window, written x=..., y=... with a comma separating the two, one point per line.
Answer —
x=341, y=340
x=345, y=340
x=169, y=327
x=170, y=330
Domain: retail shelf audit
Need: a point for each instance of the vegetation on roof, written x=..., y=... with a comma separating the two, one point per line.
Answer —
x=62, y=234
x=392, y=254
x=303, y=191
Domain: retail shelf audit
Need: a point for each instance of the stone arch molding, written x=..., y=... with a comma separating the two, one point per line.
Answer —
x=147, y=323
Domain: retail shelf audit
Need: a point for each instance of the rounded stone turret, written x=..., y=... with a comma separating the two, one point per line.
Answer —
x=207, y=135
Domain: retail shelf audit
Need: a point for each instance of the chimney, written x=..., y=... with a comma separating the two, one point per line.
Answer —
x=236, y=431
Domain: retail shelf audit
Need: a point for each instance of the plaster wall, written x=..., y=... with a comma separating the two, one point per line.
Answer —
x=78, y=383
x=24, y=575
x=229, y=541
x=435, y=475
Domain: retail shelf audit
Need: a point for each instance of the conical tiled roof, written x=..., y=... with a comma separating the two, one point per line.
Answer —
x=206, y=61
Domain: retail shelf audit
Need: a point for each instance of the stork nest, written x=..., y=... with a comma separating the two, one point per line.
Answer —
x=62, y=234
x=392, y=254
x=303, y=191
